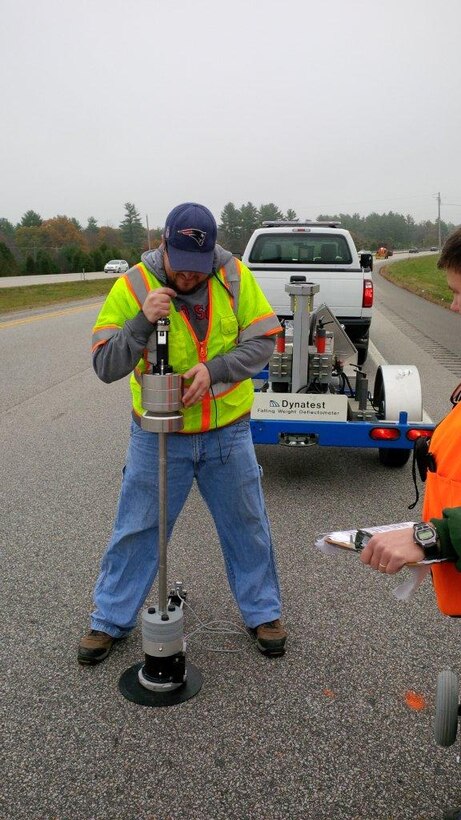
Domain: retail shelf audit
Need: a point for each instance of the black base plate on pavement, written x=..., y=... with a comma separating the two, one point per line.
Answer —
x=132, y=690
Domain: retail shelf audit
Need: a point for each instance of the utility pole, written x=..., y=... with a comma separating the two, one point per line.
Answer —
x=438, y=222
x=148, y=234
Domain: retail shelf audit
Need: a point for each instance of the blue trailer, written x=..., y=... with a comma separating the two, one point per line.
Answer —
x=312, y=392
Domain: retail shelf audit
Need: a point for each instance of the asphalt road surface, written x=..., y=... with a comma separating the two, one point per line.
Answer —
x=328, y=731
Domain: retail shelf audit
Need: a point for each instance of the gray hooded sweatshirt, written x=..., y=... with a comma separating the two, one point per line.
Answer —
x=119, y=356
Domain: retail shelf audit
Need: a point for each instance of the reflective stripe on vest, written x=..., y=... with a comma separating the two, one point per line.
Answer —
x=137, y=286
x=231, y=277
x=443, y=490
x=260, y=326
x=102, y=334
x=138, y=283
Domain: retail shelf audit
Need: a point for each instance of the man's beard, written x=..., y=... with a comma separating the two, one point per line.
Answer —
x=179, y=290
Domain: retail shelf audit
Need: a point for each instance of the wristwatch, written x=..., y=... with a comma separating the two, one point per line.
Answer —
x=425, y=535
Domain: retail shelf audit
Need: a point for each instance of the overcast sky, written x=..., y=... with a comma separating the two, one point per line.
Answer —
x=345, y=105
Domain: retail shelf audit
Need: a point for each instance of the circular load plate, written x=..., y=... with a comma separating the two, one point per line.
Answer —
x=132, y=689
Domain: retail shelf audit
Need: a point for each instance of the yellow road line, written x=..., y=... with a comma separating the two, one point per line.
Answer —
x=37, y=318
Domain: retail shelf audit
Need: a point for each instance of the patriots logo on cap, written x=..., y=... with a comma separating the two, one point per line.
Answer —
x=194, y=233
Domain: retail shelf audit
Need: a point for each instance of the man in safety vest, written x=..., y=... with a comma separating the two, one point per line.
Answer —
x=439, y=534
x=222, y=332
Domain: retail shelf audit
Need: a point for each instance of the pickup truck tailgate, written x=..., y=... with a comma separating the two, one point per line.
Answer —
x=341, y=290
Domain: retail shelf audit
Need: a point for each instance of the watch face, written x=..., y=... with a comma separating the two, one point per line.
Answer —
x=425, y=534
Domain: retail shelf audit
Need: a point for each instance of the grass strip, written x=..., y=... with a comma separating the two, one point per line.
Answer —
x=26, y=297
x=420, y=276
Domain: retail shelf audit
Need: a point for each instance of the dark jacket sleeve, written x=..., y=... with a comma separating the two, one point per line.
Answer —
x=121, y=353
x=245, y=361
x=449, y=534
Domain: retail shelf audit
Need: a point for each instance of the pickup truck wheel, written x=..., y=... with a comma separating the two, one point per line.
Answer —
x=393, y=458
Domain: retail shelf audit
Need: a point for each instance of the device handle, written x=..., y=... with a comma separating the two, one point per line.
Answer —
x=162, y=366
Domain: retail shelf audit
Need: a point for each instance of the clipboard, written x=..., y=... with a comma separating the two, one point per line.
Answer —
x=346, y=538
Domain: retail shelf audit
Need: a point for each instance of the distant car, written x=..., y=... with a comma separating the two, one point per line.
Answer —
x=116, y=266
x=433, y=248
x=413, y=250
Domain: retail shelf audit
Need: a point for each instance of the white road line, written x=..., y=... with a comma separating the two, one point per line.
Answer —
x=38, y=317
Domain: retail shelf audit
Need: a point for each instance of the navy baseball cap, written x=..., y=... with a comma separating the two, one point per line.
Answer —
x=190, y=236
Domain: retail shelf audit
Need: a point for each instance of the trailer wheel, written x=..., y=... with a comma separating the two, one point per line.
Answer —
x=388, y=456
x=393, y=458
x=446, y=708
x=397, y=389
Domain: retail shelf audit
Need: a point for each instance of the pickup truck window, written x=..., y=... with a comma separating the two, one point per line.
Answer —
x=308, y=249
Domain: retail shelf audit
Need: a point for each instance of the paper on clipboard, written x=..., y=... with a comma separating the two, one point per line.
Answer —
x=346, y=538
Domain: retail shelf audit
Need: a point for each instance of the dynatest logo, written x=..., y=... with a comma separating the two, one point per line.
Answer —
x=294, y=407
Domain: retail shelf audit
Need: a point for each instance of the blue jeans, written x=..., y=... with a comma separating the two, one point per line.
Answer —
x=224, y=464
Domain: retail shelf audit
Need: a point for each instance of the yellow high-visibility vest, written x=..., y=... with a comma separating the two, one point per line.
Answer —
x=238, y=310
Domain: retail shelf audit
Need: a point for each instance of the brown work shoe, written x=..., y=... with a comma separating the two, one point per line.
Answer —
x=94, y=647
x=271, y=638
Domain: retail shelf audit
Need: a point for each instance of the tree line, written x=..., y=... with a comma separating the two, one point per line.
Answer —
x=62, y=245
x=391, y=229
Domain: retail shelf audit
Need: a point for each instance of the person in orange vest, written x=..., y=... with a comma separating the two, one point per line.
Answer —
x=438, y=535
x=222, y=332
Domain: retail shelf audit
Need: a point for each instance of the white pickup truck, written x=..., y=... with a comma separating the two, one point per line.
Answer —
x=325, y=254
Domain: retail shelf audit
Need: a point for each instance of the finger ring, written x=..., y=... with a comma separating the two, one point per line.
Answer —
x=382, y=565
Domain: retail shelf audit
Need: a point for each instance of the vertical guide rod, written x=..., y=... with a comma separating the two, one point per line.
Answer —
x=162, y=522
x=302, y=303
